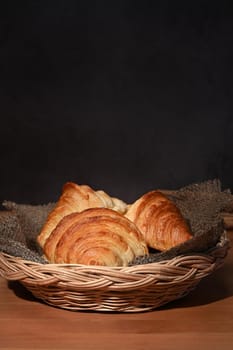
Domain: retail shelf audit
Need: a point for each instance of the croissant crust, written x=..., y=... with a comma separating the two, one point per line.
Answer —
x=76, y=198
x=159, y=220
x=96, y=236
x=91, y=228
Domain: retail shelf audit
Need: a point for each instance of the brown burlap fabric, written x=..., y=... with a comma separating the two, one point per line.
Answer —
x=201, y=205
x=19, y=227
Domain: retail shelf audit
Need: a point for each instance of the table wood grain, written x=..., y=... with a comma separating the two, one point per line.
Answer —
x=203, y=319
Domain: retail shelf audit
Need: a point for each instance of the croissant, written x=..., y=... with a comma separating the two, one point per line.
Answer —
x=76, y=198
x=159, y=220
x=95, y=236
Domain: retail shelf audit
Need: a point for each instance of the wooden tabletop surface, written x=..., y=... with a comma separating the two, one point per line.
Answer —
x=203, y=319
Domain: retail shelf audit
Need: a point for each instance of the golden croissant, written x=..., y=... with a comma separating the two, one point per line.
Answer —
x=159, y=220
x=76, y=198
x=96, y=236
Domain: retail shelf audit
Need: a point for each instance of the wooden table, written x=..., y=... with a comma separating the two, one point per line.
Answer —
x=201, y=320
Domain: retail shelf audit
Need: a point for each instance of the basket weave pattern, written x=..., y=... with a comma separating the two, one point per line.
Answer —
x=123, y=289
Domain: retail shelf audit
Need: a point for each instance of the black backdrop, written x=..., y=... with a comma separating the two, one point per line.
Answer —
x=125, y=96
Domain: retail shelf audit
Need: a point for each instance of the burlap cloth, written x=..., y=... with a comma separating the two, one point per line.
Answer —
x=201, y=204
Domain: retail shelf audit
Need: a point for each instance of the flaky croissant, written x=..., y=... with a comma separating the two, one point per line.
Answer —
x=97, y=236
x=76, y=198
x=159, y=220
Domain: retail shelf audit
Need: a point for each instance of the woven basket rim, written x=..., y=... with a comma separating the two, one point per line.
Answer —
x=223, y=243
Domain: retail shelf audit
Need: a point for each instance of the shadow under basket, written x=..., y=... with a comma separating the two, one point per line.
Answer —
x=125, y=289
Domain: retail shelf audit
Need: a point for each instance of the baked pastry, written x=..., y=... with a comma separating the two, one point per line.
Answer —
x=76, y=198
x=111, y=202
x=159, y=220
x=96, y=236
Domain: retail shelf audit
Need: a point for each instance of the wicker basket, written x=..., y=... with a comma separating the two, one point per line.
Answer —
x=128, y=289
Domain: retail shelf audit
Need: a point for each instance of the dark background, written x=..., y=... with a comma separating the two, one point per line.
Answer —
x=126, y=96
